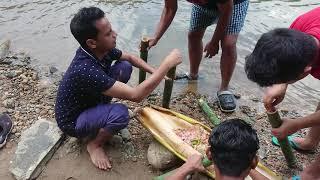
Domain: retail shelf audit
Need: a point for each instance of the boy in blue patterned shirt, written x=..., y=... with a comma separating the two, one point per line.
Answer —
x=83, y=101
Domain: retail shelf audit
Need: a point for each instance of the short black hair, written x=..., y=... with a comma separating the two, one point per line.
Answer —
x=280, y=56
x=82, y=25
x=234, y=144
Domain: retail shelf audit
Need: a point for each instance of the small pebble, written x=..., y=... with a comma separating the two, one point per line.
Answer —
x=53, y=69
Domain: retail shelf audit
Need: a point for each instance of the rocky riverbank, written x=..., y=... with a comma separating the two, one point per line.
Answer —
x=24, y=95
x=28, y=95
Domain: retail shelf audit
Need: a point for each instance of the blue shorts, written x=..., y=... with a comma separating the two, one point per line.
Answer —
x=202, y=17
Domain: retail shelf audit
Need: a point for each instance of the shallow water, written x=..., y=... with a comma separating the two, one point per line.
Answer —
x=41, y=28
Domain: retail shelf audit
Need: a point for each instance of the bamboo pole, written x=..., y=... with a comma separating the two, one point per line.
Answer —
x=211, y=115
x=168, y=84
x=143, y=55
x=205, y=162
x=275, y=121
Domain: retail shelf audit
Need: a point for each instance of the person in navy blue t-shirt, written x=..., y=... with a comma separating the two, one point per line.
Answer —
x=83, y=101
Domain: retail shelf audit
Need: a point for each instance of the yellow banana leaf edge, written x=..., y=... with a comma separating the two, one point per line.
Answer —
x=155, y=132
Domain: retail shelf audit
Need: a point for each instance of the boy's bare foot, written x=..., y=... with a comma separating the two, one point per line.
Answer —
x=98, y=156
x=304, y=144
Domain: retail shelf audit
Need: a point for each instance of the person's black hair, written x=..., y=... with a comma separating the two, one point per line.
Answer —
x=280, y=56
x=82, y=25
x=233, y=145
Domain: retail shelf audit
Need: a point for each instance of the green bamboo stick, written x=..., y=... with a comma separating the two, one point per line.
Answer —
x=275, y=121
x=168, y=84
x=205, y=162
x=143, y=55
x=211, y=115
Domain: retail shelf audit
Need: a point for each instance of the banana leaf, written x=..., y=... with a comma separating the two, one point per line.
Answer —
x=162, y=124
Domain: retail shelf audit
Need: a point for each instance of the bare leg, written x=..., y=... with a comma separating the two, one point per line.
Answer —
x=195, y=46
x=312, y=171
x=96, y=151
x=312, y=139
x=228, y=60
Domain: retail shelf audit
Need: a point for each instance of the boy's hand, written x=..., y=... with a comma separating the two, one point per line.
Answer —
x=211, y=49
x=174, y=58
x=288, y=127
x=194, y=163
x=152, y=42
x=273, y=96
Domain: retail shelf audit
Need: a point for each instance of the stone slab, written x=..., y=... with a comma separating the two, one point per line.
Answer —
x=36, y=147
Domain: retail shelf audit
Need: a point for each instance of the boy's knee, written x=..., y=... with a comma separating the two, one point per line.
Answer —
x=126, y=65
x=125, y=71
x=229, y=48
x=122, y=114
x=229, y=45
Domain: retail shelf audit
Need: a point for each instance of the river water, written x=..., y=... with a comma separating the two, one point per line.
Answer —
x=41, y=28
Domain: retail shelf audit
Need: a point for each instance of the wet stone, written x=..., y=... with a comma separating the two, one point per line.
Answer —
x=53, y=69
x=125, y=134
x=36, y=147
x=116, y=140
x=9, y=103
x=11, y=74
x=129, y=148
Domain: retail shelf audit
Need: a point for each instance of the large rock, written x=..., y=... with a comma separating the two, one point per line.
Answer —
x=160, y=157
x=36, y=147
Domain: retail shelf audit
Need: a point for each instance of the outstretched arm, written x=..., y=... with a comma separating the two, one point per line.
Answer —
x=290, y=126
x=138, y=62
x=225, y=10
x=138, y=93
x=193, y=163
x=168, y=13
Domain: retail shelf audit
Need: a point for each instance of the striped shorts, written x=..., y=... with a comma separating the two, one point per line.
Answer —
x=202, y=17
